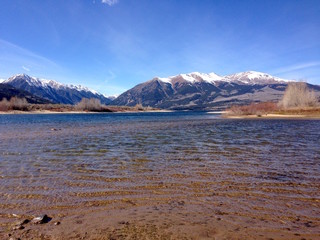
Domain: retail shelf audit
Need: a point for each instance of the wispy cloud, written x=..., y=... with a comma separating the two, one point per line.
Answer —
x=25, y=68
x=110, y=2
x=109, y=76
x=14, y=58
x=297, y=67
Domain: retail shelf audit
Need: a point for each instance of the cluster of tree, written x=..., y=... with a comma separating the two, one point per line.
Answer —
x=14, y=103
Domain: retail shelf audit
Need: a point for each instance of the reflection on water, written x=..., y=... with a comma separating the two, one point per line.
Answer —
x=254, y=169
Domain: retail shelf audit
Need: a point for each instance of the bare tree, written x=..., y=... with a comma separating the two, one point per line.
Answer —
x=297, y=95
x=4, y=105
x=15, y=103
x=19, y=104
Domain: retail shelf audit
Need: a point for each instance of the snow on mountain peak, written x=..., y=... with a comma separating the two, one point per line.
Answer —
x=194, y=77
x=249, y=77
x=45, y=83
x=253, y=77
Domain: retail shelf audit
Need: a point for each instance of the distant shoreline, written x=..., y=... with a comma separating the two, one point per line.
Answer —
x=17, y=112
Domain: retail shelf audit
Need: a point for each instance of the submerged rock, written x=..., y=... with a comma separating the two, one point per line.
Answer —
x=22, y=222
x=18, y=227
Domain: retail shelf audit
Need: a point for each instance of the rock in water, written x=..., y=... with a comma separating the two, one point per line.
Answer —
x=41, y=220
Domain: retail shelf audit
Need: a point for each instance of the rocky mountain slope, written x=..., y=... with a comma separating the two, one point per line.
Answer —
x=205, y=91
x=53, y=91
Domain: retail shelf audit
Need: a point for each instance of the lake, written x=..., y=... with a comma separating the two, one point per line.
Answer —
x=178, y=175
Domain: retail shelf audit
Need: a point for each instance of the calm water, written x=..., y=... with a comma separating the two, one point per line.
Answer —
x=247, y=169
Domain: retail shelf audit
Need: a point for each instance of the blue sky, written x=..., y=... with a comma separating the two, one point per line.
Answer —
x=112, y=45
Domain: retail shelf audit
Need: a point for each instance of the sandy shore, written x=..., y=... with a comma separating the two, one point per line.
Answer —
x=272, y=116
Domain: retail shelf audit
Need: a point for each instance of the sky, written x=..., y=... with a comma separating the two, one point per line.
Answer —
x=113, y=45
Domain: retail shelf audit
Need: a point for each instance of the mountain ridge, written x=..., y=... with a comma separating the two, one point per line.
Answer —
x=205, y=91
x=52, y=90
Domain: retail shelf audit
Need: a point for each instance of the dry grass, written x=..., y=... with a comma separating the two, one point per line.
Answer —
x=260, y=109
x=307, y=111
x=253, y=109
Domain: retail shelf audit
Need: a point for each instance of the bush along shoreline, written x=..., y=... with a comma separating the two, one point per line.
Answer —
x=15, y=105
x=297, y=100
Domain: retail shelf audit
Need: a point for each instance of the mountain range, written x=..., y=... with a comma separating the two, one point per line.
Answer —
x=199, y=91
x=192, y=91
x=52, y=91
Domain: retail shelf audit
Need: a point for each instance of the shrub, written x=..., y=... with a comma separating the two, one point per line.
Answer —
x=91, y=104
x=297, y=95
x=138, y=107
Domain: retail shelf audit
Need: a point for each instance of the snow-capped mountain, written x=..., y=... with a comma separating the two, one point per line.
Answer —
x=250, y=77
x=205, y=91
x=54, y=91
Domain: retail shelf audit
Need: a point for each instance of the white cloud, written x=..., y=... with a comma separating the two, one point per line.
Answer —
x=110, y=2
x=297, y=67
x=25, y=68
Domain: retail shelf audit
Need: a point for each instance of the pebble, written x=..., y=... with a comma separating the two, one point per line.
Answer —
x=57, y=223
